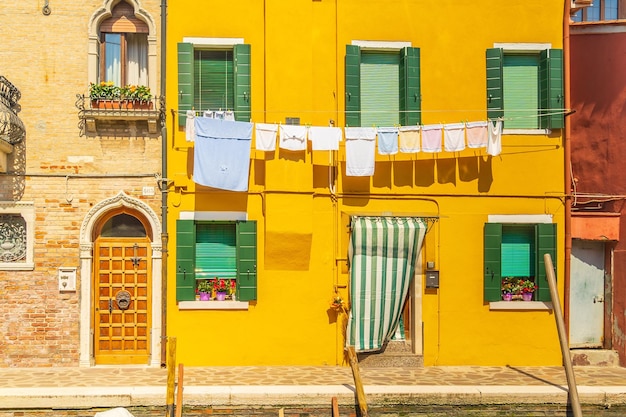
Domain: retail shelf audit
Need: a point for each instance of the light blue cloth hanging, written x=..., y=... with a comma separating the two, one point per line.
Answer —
x=387, y=140
x=222, y=153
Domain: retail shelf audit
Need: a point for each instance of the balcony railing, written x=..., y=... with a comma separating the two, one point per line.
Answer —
x=90, y=111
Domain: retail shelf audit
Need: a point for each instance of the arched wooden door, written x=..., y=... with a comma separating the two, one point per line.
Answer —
x=122, y=291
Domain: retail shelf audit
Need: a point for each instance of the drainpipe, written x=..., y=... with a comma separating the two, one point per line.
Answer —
x=568, y=163
x=164, y=181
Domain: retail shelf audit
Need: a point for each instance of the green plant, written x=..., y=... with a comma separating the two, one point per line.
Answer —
x=510, y=285
x=527, y=286
x=136, y=93
x=206, y=286
x=104, y=90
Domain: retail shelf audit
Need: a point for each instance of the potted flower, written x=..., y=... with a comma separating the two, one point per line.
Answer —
x=509, y=287
x=222, y=288
x=136, y=96
x=102, y=92
x=337, y=303
x=527, y=287
x=106, y=94
x=205, y=288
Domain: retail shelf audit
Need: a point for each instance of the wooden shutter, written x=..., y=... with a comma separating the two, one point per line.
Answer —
x=492, y=257
x=521, y=91
x=380, y=88
x=185, y=260
x=216, y=250
x=353, y=85
x=518, y=251
x=185, y=81
x=552, y=98
x=214, y=80
x=495, y=102
x=410, y=87
x=246, y=261
x=546, y=243
x=242, y=82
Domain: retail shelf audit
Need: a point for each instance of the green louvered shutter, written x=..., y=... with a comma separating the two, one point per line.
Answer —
x=185, y=81
x=216, y=250
x=353, y=86
x=410, y=87
x=521, y=91
x=546, y=243
x=242, y=82
x=495, y=102
x=552, y=98
x=492, y=258
x=185, y=260
x=214, y=80
x=246, y=261
x=380, y=89
x=518, y=251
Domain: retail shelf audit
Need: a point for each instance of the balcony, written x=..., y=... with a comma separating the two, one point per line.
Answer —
x=105, y=115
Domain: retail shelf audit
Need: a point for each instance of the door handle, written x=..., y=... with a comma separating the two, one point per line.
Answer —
x=111, y=305
x=598, y=299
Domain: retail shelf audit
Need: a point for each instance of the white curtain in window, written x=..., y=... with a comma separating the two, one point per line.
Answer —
x=113, y=52
x=137, y=59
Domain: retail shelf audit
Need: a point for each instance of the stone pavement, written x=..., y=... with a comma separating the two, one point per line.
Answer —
x=24, y=388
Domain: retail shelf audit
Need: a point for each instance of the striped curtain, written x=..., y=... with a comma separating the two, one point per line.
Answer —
x=383, y=253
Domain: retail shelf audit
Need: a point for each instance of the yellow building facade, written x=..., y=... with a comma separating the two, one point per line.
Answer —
x=437, y=60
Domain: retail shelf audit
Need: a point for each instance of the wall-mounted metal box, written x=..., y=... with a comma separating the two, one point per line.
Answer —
x=67, y=279
x=432, y=279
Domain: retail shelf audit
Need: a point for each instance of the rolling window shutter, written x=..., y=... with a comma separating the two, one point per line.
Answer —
x=185, y=260
x=246, y=261
x=518, y=251
x=216, y=251
x=353, y=85
x=410, y=87
x=242, y=82
x=546, y=243
x=492, y=256
x=552, y=98
x=185, y=81
x=495, y=102
x=214, y=89
x=521, y=91
x=380, y=89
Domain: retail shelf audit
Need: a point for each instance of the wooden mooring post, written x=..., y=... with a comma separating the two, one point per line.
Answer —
x=171, y=373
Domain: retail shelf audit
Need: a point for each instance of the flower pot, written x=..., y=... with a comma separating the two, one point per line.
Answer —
x=221, y=296
x=205, y=296
x=527, y=296
x=507, y=296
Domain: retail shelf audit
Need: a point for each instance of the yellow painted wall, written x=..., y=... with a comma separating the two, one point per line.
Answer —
x=298, y=50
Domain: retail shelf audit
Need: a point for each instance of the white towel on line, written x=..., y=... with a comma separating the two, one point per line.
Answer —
x=454, y=137
x=431, y=138
x=265, y=135
x=494, y=145
x=360, y=151
x=476, y=134
x=324, y=138
x=293, y=137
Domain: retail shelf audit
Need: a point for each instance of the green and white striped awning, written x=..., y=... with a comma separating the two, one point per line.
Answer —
x=383, y=255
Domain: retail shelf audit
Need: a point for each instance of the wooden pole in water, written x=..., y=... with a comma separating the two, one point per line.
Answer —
x=358, y=384
x=179, y=391
x=560, y=325
x=171, y=373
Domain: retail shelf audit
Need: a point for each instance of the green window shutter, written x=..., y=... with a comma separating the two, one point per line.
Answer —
x=214, y=80
x=185, y=81
x=495, y=101
x=546, y=243
x=216, y=250
x=246, y=261
x=185, y=260
x=242, y=82
x=410, y=87
x=518, y=251
x=353, y=85
x=521, y=91
x=492, y=257
x=552, y=98
x=380, y=89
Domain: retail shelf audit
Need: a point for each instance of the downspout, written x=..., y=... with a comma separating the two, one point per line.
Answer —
x=164, y=182
x=568, y=163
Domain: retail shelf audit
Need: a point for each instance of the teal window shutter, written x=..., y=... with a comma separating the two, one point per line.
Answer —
x=518, y=251
x=521, y=91
x=380, y=88
x=242, y=82
x=185, y=260
x=185, y=81
x=492, y=257
x=216, y=250
x=495, y=101
x=552, y=97
x=546, y=243
x=353, y=85
x=214, y=80
x=246, y=260
x=410, y=87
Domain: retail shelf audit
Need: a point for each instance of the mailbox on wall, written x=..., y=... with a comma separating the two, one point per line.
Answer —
x=432, y=279
x=67, y=279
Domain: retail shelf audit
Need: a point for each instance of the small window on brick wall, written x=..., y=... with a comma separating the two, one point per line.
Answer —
x=17, y=224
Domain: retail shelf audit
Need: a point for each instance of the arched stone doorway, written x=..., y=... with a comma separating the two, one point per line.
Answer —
x=121, y=258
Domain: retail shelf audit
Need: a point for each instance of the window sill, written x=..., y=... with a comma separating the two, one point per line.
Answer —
x=17, y=266
x=213, y=305
x=526, y=131
x=519, y=305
